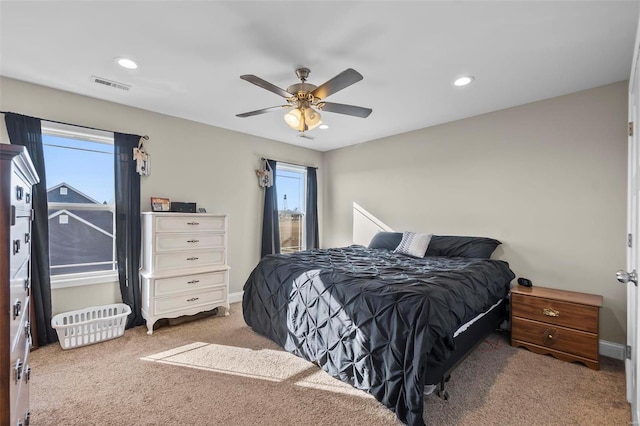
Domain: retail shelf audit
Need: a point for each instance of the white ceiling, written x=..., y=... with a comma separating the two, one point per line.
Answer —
x=191, y=55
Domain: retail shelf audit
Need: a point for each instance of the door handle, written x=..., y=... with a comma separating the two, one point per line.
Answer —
x=627, y=277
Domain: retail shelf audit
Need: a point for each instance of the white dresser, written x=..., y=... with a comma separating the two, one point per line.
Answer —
x=17, y=176
x=184, y=265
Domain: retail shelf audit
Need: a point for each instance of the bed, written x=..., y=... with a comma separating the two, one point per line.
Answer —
x=377, y=319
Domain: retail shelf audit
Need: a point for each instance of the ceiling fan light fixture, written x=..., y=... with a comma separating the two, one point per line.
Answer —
x=293, y=118
x=312, y=118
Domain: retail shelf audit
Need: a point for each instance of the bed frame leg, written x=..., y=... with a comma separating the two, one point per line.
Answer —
x=442, y=392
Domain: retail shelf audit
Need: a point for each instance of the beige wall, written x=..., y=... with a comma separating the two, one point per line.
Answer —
x=548, y=179
x=189, y=162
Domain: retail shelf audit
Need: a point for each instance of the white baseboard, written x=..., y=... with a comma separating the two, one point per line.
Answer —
x=235, y=297
x=612, y=350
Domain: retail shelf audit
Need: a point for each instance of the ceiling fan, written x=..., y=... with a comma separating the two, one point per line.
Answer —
x=305, y=100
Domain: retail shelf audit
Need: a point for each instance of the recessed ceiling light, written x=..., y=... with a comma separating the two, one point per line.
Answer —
x=323, y=126
x=127, y=63
x=463, y=81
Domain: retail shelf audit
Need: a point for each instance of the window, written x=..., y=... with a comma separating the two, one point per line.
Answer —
x=81, y=201
x=291, y=182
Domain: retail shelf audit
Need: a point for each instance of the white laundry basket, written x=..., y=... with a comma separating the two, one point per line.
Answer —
x=90, y=325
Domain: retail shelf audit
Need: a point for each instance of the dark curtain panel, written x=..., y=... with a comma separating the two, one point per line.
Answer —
x=127, y=182
x=26, y=131
x=270, y=223
x=312, y=209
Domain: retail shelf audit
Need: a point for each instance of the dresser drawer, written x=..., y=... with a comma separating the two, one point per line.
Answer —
x=19, y=334
x=555, y=337
x=19, y=283
x=189, y=259
x=194, y=282
x=572, y=315
x=190, y=224
x=191, y=241
x=20, y=193
x=19, y=382
x=20, y=248
x=165, y=305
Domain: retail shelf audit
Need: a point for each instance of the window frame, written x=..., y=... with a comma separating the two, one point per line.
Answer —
x=295, y=168
x=77, y=279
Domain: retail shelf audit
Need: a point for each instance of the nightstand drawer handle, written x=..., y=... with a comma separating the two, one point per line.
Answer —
x=193, y=241
x=193, y=282
x=193, y=299
x=192, y=258
x=550, y=312
x=193, y=223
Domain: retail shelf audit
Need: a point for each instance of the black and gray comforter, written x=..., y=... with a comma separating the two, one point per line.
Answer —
x=370, y=317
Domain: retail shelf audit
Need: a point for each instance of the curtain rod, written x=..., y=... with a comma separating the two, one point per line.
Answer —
x=145, y=137
x=289, y=162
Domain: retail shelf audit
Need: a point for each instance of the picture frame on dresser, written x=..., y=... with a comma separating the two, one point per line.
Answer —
x=160, y=204
x=184, y=265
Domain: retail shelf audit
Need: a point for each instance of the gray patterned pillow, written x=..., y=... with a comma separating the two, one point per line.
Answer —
x=413, y=244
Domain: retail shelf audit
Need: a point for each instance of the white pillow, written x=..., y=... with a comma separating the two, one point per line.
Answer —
x=413, y=244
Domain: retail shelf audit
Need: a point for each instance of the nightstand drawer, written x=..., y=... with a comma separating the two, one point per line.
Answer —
x=555, y=337
x=572, y=315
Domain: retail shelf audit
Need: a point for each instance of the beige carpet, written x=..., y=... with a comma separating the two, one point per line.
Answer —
x=216, y=371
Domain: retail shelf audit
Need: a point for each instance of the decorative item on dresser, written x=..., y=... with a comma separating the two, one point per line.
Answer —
x=17, y=176
x=184, y=265
x=561, y=323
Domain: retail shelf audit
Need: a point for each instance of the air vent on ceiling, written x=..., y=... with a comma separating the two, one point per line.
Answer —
x=109, y=83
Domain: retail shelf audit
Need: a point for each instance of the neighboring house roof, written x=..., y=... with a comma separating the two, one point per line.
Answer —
x=73, y=195
x=78, y=218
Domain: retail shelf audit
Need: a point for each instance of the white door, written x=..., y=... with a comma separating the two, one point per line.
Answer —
x=633, y=225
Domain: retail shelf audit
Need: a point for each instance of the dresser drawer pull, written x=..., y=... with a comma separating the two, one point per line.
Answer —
x=192, y=258
x=550, y=312
x=193, y=282
x=550, y=336
x=193, y=299
x=27, y=418
x=27, y=374
x=27, y=198
x=27, y=332
x=27, y=238
x=193, y=241
x=17, y=371
x=26, y=285
x=193, y=223
x=16, y=246
x=17, y=309
x=19, y=192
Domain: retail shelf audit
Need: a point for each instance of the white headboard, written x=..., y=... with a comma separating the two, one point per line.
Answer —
x=366, y=225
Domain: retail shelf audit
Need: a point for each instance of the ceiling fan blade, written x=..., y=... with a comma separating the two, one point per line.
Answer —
x=265, y=85
x=262, y=111
x=353, y=110
x=345, y=79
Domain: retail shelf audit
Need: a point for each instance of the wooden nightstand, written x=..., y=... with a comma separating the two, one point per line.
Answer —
x=557, y=322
